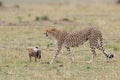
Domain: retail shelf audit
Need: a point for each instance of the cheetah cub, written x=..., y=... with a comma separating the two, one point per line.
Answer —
x=34, y=52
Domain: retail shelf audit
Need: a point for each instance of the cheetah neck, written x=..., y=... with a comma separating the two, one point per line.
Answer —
x=60, y=34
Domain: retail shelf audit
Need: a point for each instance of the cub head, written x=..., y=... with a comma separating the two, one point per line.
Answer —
x=30, y=49
x=33, y=49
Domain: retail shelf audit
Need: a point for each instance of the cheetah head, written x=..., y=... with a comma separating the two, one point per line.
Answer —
x=51, y=32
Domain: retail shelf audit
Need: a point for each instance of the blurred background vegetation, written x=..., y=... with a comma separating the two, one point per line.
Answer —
x=59, y=1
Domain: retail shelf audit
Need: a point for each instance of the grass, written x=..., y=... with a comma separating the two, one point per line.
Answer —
x=44, y=18
x=1, y=4
x=17, y=6
x=20, y=18
x=14, y=61
x=65, y=19
x=114, y=47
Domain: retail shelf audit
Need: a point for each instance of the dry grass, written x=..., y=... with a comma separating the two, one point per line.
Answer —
x=14, y=62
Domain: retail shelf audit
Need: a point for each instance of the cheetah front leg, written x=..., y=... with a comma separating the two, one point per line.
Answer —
x=92, y=46
x=56, y=55
x=70, y=55
x=93, y=55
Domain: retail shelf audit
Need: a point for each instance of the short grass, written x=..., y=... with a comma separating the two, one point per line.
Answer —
x=14, y=61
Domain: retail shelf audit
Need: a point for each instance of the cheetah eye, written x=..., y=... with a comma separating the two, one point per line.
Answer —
x=46, y=34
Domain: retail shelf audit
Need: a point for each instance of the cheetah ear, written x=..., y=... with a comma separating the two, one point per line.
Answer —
x=53, y=29
x=46, y=30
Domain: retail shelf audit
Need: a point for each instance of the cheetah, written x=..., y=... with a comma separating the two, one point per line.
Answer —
x=76, y=38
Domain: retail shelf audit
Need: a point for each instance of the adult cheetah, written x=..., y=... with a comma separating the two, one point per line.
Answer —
x=74, y=39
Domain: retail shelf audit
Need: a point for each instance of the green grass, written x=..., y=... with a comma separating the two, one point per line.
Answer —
x=44, y=18
x=114, y=47
x=14, y=40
